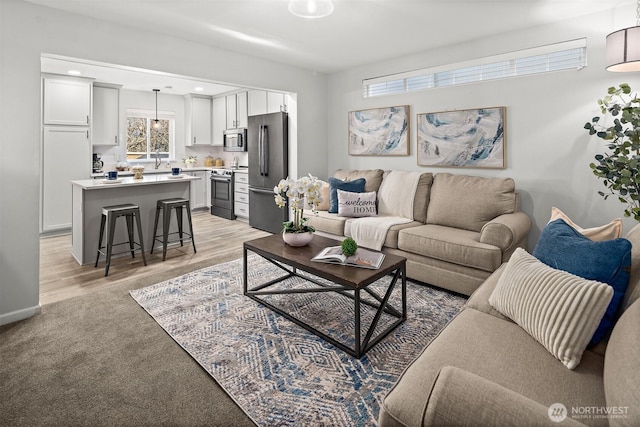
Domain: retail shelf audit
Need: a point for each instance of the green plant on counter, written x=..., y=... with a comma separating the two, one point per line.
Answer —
x=619, y=167
x=349, y=246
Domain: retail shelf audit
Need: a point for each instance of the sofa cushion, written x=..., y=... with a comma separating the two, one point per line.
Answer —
x=501, y=352
x=558, y=309
x=391, y=241
x=479, y=300
x=423, y=194
x=453, y=245
x=326, y=222
x=373, y=177
x=621, y=373
x=335, y=184
x=609, y=231
x=469, y=202
x=633, y=290
x=563, y=247
x=326, y=196
x=356, y=205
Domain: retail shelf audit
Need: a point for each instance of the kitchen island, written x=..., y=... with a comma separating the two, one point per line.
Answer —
x=91, y=195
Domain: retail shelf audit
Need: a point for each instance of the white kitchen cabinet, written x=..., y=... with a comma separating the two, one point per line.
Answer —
x=241, y=195
x=276, y=102
x=263, y=102
x=198, y=196
x=256, y=102
x=66, y=156
x=66, y=101
x=219, y=120
x=198, y=112
x=106, y=114
x=237, y=110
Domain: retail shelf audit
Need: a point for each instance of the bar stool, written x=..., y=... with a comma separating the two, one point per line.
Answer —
x=109, y=216
x=165, y=206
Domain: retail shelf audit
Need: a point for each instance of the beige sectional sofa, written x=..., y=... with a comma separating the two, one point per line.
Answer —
x=463, y=227
x=484, y=369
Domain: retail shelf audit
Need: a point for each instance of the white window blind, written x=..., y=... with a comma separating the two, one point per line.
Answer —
x=568, y=55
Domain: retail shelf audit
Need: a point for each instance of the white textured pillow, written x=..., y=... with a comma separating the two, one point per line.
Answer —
x=558, y=309
x=355, y=205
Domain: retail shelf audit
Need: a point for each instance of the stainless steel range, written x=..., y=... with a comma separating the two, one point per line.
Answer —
x=222, y=193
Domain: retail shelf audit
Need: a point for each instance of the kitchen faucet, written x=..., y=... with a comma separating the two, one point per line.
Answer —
x=157, y=159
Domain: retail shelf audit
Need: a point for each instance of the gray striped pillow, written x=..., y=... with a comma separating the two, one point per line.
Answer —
x=558, y=309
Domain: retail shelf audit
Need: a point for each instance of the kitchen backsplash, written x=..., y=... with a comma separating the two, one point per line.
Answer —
x=111, y=155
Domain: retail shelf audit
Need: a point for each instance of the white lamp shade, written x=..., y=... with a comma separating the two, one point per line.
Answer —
x=311, y=8
x=623, y=50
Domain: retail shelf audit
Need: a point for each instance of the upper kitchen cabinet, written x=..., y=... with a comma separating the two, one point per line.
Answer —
x=199, y=115
x=106, y=114
x=219, y=120
x=264, y=102
x=276, y=102
x=66, y=101
x=237, y=111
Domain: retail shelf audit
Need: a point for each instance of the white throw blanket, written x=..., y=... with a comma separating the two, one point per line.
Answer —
x=395, y=206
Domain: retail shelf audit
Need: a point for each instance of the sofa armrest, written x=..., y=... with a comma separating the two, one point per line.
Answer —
x=507, y=231
x=461, y=398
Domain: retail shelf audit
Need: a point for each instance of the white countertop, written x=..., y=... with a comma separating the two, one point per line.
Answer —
x=100, y=184
x=161, y=169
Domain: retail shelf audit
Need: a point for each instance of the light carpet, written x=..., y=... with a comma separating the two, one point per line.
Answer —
x=277, y=372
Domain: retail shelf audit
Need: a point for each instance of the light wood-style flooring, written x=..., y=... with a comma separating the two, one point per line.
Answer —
x=61, y=277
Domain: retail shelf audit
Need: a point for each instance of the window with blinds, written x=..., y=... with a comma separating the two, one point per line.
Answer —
x=569, y=55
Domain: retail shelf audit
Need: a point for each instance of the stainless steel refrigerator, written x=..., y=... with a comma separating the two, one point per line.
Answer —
x=268, y=146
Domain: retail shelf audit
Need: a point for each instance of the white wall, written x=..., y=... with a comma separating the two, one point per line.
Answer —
x=547, y=149
x=26, y=31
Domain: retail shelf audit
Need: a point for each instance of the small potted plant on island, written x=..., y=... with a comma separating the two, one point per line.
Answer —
x=297, y=193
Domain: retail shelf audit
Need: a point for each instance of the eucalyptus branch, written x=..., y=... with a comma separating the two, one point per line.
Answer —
x=619, y=169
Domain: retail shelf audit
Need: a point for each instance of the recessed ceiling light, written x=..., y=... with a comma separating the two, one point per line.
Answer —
x=74, y=72
x=311, y=8
x=199, y=89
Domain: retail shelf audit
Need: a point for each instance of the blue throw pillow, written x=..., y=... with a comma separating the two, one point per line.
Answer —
x=335, y=184
x=563, y=247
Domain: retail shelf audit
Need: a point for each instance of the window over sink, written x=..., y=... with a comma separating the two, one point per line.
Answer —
x=144, y=139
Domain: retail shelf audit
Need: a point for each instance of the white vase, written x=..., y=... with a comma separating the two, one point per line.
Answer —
x=297, y=239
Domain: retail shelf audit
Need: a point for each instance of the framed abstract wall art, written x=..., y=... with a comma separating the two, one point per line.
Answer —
x=462, y=138
x=379, y=132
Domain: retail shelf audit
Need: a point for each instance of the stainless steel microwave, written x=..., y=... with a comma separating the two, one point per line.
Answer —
x=235, y=139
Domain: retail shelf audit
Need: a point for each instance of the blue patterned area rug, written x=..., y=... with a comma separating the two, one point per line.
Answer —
x=277, y=372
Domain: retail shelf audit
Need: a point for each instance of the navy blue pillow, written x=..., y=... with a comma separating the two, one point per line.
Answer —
x=335, y=184
x=563, y=247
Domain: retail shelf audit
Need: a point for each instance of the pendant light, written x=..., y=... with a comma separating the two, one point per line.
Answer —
x=623, y=47
x=156, y=122
x=311, y=8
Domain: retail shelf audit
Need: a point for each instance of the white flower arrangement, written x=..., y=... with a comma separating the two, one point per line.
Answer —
x=298, y=192
x=191, y=160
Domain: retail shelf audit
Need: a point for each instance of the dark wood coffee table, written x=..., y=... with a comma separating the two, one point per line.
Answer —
x=349, y=281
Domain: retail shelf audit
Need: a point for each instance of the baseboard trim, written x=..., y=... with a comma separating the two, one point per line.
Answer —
x=17, y=315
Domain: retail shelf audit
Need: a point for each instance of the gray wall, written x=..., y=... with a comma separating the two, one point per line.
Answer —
x=26, y=31
x=547, y=149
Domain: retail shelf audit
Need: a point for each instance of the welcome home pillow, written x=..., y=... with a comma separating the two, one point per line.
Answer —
x=356, y=205
x=335, y=184
x=558, y=309
x=563, y=247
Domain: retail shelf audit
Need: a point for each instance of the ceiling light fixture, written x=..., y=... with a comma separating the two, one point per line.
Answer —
x=311, y=8
x=623, y=47
x=156, y=122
